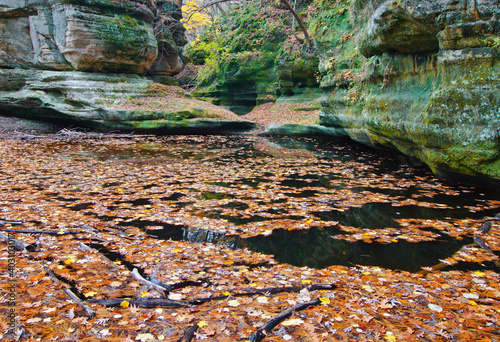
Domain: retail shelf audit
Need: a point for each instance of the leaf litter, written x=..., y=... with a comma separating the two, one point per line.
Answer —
x=106, y=198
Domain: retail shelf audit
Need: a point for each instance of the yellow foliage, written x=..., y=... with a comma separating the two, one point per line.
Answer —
x=195, y=18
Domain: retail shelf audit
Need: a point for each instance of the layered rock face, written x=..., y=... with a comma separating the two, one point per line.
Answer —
x=82, y=35
x=84, y=61
x=430, y=86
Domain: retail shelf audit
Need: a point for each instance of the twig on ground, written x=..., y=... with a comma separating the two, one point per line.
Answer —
x=69, y=293
x=142, y=303
x=13, y=223
x=189, y=334
x=160, y=289
x=263, y=331
x=18, y=244
x=47, y=232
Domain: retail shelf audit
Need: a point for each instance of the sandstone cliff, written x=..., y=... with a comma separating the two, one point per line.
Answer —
x=429, y=86
x=79, y=60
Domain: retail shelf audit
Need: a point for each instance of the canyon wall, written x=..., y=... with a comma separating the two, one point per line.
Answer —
x=93, y=63
x=429, y=85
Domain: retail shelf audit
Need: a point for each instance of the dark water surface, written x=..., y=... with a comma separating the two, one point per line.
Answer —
x=280, y=183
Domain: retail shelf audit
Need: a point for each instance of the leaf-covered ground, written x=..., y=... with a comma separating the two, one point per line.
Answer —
x=171, y=208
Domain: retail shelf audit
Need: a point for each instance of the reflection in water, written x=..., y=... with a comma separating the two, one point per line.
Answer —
x=318, y=248
x=250, y=186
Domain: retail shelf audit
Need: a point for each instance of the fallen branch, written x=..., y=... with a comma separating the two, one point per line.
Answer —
x=47, y=232
x=14, y=223
x=116, y=231
x=141, y=303
x=267, y=291
x=189, y=334
x=18, y=244
x=486, y=227
x=163, y=302
x=68, y=292
x=487, y=249
x=160, y=289
x=263, y=331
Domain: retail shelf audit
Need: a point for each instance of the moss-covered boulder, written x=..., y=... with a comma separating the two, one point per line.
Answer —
x=111, y=102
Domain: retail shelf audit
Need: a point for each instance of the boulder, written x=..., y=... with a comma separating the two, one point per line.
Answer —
x=111, y=102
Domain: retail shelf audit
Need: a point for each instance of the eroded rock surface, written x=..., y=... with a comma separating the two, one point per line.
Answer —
x=84, y=62
x=430, y=84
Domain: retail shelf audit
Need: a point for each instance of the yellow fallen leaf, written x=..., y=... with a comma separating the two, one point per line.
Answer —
x=306, y=281
x=90, y=294
x=144, y=293
x=124, y=304
x=226, y=293
x=324, y=300
x=202, y=324
x=389, y=336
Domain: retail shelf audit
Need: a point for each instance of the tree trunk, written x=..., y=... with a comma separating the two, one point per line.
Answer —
x=299, y=21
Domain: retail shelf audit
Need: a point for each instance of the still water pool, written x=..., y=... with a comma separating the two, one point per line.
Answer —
x=306, y=201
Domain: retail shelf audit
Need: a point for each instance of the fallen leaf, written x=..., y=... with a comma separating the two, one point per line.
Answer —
x=145, y=337
x=293, y=321
x=234, y=303
x=324, y=300
x=435, y=307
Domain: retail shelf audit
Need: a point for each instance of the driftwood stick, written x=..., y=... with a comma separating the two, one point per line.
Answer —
x=18, y=244
x=165, y=302
x=116, y=231
x=263, y=331
x=189, y=334
x=68, y=292
x=142, y=303
x=485, y=228
x=47, y=232
x=160, y=289
x=13, y=223
x=267, y=291
x=487, y=249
